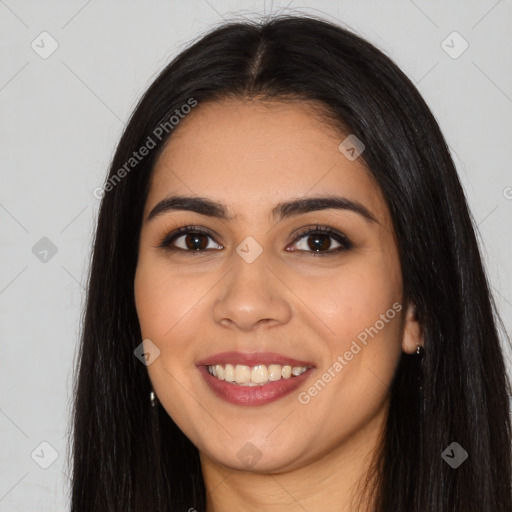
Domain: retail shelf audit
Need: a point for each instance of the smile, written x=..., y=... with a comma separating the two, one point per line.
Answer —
x=257, y=375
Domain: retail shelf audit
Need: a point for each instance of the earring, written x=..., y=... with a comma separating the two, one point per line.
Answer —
x=152, y=398
x=420, y=351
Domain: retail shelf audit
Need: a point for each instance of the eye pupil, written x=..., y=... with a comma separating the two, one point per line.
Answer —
x=192, y=240
x=320, y=242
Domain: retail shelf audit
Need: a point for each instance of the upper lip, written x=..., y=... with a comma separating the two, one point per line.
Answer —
x=252, y=359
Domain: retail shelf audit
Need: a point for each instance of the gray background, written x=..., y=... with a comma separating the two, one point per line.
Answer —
x=61, y=118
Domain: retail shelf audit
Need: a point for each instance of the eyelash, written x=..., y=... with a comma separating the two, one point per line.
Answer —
x=344, y=242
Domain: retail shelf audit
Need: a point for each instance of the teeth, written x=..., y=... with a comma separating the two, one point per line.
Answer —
x=274, y=372
x=242, y=373
x=286, y=372
x=229, y=373
x=259, y=374
x=256, y=375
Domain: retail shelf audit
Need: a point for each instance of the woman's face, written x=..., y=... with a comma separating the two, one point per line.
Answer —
x=257, y=293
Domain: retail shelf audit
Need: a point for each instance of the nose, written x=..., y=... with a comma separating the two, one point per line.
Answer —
x=251, y=296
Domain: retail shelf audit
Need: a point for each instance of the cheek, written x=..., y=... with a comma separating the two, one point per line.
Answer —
x=172, y=308
x=162, y=299
x=166, y=313
x=362, y=307
x=165, y=308
x=363, y=310
x=354, y=300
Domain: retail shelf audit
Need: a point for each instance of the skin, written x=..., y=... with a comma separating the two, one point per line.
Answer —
x=251, y=155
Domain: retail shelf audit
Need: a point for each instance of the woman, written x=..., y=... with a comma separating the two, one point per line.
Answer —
x=287, y=308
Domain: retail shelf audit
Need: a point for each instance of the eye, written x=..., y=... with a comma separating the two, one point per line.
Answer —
x=188, y=239
x=318, y=240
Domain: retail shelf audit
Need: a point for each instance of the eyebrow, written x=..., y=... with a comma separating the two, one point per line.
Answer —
x=211, y=208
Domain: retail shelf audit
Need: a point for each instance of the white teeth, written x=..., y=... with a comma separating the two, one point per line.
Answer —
x=259, y=374
x=256, y=375
x=242, y=373
x=286, y=372
x=229, y=373
x=274, y=372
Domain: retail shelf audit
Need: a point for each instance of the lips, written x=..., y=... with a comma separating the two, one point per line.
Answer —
x=253, y=396
x=257, y=395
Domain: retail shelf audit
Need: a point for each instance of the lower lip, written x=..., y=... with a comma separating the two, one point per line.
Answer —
x=253, y=395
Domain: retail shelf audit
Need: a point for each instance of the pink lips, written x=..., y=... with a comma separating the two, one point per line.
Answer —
x=252, y=395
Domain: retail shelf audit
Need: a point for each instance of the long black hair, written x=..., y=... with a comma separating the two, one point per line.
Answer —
x=128, y=456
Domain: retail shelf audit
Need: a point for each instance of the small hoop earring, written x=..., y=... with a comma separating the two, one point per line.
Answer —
x=419, y=350
x=152, y=399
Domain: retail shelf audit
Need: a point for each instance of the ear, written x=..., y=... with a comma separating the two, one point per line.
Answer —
x=411, y=334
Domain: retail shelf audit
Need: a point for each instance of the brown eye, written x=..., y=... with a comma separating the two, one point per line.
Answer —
x=189, y=239
x=196, y=241
x=320, y=241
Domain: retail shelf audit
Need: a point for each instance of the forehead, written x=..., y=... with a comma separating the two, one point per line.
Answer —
x=251, y=155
